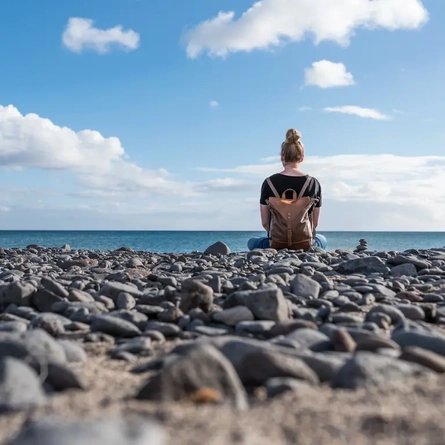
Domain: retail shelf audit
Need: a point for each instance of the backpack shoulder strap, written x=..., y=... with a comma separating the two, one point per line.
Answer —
x=305, y=186
x=272, y=187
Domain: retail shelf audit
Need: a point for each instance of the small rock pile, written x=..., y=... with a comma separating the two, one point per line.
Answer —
x=214, y=328
x=362, y=246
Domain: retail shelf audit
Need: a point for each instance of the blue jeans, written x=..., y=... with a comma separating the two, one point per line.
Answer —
x=262, y=242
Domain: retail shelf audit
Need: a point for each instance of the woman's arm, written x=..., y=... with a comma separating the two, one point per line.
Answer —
x=265, y=216
x=316, y=217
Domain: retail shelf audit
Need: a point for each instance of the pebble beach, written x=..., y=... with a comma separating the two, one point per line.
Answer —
x=132, y=347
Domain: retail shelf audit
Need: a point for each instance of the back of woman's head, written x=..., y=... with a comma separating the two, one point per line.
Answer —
x=292, y=149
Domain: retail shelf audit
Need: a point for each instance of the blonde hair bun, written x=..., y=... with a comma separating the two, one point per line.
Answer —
x=292, y=136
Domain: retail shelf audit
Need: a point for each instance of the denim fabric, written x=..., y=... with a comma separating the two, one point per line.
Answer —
x=262, y=242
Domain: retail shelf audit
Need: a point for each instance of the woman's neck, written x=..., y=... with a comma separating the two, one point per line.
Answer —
x=292, y=169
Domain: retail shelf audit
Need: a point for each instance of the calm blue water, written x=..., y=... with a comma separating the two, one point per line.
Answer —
x=157, y=241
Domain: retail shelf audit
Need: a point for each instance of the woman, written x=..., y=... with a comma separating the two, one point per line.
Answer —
x=292, y=155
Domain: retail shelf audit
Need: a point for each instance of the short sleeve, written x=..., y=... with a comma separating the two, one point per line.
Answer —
x=265, y=193
x=318, y=195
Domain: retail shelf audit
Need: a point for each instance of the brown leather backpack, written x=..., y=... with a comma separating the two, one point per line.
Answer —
x=291, y=224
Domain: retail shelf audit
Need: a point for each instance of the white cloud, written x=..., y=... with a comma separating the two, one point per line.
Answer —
x=269, y=23
x=368, y=113
x=305, y=108
x=214, y=104
x=33, y=142
x=5, y=209
x=376, y=192
x=80, y=34
x=326, y=74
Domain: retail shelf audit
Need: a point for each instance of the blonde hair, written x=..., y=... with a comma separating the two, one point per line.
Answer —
x=292, y=149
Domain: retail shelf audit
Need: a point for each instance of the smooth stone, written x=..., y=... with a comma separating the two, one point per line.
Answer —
x=136, y=345
x=73, y=351
x=367, y=369
x=254, y=327
x=20, y=386
x=411, y=312
x=106, y=431
x=112, y=290
x=376, y=342
x=311, y=339
x=210, y=331
x=60, y=377
x=407, y=269
x=114, y=326
x=395, y=314
x=167, y=329
x=195, y=294
x=203, y=367
x=422, y=340
x=54, y=287
x=326, y=366
x=218, y=248
x=366, y=265
x=257, y=366
x=233, y=316
x=286, y=327
x=425, y=358
x=125, y=301
x=54, y=324
x=36, y=345
x=44, y=299
x=306, y=287
x=13, y=326
x=279, y=385
x=77, y=295
x=342, y=341
x=18, y=293
x=267, y=304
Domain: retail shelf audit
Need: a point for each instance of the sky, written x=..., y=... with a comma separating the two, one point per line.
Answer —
x=168, y=115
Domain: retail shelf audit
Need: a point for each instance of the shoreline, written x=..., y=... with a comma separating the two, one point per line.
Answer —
x=255, y=347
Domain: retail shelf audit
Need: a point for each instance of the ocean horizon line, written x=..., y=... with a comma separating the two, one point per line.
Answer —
x=210, y=231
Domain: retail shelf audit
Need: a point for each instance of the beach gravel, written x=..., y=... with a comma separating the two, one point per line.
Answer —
x=218, y=347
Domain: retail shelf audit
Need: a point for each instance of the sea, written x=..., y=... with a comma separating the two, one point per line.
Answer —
x=190, y=241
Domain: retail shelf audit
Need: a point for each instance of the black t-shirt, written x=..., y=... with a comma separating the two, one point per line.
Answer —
x=284, y=182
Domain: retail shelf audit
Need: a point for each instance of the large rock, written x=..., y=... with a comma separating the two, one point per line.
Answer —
x=112, y=290
x=114, y=326
x=366, y=265
x=368, y=369
x=36, y=345
x=311, y=339
x=407, y=269
x=419, y=263
x=304, y=286
x=113, y=431
x=44, y=299
x=20, y=386
x=202, y=368
x=422, y=340
x=258, y=366
x=195, y=294
x=219, y=248
x=234, y=315
x=267, y=304
x=18, y=293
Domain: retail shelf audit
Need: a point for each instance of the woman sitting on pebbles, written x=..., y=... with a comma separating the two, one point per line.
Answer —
x=290, y=222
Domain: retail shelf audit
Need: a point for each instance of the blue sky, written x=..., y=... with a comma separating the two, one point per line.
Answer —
x=187, y=116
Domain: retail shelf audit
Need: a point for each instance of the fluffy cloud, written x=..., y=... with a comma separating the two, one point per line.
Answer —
x=367, y=113
x=399, y=192
x=270, y=23
x=33, y=142
x=80, y=34
x=326, y=74
x=213, y=104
